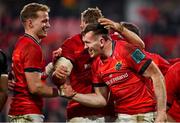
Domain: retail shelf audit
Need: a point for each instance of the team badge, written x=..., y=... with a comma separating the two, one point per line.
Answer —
x=118, y=65
x=138, y=56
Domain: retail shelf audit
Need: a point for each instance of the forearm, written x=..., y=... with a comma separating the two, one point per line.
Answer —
x=3, y=99
x=160, y=92
x=45, y=90
x=90, y=100
x=131, y=37
x=3, y=90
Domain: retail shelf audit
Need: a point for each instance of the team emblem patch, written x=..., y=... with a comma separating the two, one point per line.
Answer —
x=138, y=56
x=118, y=65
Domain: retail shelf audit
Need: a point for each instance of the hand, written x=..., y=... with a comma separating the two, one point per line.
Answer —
x=56, y=54
x=67, y=91
x=11, y=81
x=61, y=72
x=109, y=24
x=59, y=76
x=11, y=85
x=161, y=117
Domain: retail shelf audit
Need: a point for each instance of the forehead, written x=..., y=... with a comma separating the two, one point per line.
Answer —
x=88, y=36
x=43, y=14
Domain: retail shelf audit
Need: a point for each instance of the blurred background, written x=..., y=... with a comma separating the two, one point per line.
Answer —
x=159, y=21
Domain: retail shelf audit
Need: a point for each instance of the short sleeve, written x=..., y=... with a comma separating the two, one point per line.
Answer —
x=68, y=50
x=3, y=63
x=32, y=58
x=96, y=79
x=137, y=59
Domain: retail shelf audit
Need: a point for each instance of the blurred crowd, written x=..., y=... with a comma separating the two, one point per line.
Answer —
x=159, y=21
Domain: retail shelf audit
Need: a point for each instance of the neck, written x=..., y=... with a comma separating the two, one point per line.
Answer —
x=107, y=49
x=34, y=36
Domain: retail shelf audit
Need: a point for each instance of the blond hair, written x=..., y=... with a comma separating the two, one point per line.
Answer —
x=91, y=15
x=30, y=10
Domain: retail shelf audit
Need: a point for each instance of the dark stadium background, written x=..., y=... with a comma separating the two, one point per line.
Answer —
x=159, y=21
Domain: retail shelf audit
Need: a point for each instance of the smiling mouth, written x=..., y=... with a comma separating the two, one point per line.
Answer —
x=45, y=29
x=91, y=51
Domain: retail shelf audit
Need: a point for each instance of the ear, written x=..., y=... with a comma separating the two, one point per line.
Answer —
x=102, y=41
x=30, y=23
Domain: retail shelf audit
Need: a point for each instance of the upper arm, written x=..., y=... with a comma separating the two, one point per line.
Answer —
x=152, y=70
x=33, y=67
x=133, y=38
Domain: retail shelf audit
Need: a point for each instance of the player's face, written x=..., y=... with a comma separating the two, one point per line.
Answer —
x=41, y=24
x=92, y=43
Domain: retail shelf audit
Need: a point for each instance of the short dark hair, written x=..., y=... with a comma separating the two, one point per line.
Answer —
x=91, y=15
x=132, y=27
x=30, y=10
x=96, y=28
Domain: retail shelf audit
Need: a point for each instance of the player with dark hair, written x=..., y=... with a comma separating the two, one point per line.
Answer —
x=28, y=66
x=121, y=67
x=3, y=79
x=78, y=62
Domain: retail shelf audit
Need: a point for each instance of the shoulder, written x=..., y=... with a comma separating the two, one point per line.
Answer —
x=74, y=39
x=73, y=43
x=175, y=67
x=124, y=48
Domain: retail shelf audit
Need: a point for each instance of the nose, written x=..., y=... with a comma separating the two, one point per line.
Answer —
x=48, y=25
x=85, y=46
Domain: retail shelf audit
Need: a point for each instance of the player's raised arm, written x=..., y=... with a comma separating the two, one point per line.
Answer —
x=130, y=36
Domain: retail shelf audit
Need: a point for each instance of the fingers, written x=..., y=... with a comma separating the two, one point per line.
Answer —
x=56, y=54
x=11, y=85
x=108, y=24
x=67, y=91
x=61, y=72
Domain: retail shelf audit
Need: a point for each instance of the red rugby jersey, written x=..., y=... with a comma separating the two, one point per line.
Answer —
x=173, y=90
x=27, y=57
x=81, y=78
x=162, y=63
x=121, y=73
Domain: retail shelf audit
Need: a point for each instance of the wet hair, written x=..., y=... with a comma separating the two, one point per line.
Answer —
x=132, y=27
x=30, y=11
x=97, y=29
x=91, y=15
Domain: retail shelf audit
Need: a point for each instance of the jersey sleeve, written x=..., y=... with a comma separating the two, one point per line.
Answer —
x=32, y=59
x=68, y=50
x=3, y=63
x=96, y=79
x=171, y=85
x=137, y=59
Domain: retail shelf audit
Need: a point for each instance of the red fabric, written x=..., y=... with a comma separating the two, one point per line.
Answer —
x=173, y=90
x=81, y=78
x=27, y=54
x=119, y=72
x=162, y=63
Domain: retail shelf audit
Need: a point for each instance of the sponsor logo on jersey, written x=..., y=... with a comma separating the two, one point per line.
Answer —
x=117, y=78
